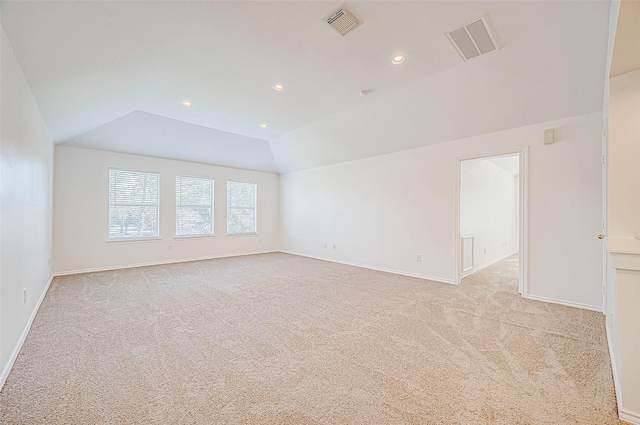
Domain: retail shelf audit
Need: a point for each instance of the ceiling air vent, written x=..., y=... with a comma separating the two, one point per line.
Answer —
x=342, y=20
x=473, y=40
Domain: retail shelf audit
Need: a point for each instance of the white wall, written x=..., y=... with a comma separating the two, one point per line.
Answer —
x=624, y=155
x=516, y=211
x=623, y=228
x=384, y=210
x=81, y=212
x=26, y=161
x=488, y=210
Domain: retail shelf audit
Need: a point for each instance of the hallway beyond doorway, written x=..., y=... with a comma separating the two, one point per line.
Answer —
x=499, y=277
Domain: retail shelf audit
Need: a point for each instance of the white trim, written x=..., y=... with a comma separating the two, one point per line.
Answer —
x=242, y=181
x=133, y=171
x=233, y=235
x=196, y=177
x=380, y=269
x=626, y=415
x=212, y=205
x=116, y=239
x=211, y=235
x=255, y=208
x=616, y=378
x=23, y=337
x=490, y=263
x=605, y=203
x=523, y=230
x=523, y=202
x=566, y=303
x=631, y=417
x=156, y=263
x=125, y=240
x=457, y=234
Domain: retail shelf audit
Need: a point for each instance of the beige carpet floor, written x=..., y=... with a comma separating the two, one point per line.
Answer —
x=282, y=339
x=499, y=277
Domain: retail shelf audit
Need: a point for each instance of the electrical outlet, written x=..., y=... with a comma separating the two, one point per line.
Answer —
x=334, y=247
x=24, y=296
x=170, y=247
x=485, y=250
x=325, y=246
x=419, y=258
x=49, y=262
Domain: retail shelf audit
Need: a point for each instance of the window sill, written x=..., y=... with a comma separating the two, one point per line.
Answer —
x=118, y=241
x=193, y=237
x=233, y=235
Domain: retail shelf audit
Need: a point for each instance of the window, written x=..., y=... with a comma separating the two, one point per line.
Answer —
x=241, y=208
x=194, y=206
x=133, y=205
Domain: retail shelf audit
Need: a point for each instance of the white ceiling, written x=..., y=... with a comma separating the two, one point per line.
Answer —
x=105, y=73
x=168, y=138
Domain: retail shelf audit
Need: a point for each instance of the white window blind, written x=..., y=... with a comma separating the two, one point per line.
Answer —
x=194, y=206
x=241, y=208
x=133, y=205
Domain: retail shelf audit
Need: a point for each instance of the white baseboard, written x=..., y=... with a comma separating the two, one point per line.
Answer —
x=614, y=369
x=23, y=337
x=380, y=269
x=567, y=303
x=156, y=263
x=625, y=415
x=490, y=263
x=631, y=417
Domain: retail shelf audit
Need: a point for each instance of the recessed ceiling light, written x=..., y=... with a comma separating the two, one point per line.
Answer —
x=278, y=86
x=264, y=125
x=398, y=59
x=185, y=103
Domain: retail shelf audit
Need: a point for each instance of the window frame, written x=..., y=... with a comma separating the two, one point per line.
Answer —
x=213, y=202
x=255, y=209
x=137, y=238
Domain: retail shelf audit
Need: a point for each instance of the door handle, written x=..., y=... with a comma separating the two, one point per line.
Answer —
x=600, y=236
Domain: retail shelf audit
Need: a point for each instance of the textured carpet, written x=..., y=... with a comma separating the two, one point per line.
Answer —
x=499, y=277
x=281, y=339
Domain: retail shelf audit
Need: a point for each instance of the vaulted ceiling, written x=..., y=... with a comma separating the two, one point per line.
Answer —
x=113, y=75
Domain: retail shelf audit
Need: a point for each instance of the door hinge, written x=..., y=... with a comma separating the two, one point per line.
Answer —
x=602, y=159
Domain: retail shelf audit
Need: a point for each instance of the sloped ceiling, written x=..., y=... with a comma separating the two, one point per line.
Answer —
x=551, y=66
x=105, y=74
x=142, y=133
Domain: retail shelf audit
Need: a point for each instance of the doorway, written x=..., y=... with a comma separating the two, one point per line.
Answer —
x=490, y=248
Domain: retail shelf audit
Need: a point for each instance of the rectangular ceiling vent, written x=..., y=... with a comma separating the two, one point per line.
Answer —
x=342, y=20
x=473, y=40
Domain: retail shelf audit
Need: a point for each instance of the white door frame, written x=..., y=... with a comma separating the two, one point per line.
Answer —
x=523, y=219
x=605, y=212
